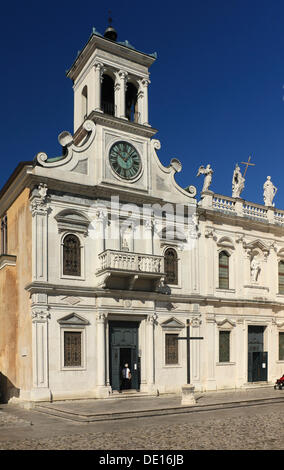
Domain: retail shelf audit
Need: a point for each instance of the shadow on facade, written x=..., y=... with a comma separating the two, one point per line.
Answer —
x=7, y=389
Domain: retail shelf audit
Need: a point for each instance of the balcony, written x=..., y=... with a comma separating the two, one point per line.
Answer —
x=125, y=270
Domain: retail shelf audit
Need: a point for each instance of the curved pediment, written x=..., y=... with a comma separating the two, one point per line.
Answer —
x=72, y=220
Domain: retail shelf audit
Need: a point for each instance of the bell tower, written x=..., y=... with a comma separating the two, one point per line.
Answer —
x=110, y=78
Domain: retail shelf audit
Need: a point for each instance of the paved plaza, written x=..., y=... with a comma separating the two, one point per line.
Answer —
x=225, y=421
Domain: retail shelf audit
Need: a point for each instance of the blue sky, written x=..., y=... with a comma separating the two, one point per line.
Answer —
x=216, y=93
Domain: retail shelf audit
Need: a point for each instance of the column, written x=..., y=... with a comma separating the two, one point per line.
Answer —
x=143, y=101
x=102, y=389
x=99, y=70
x=119, y=93
x=40, y=390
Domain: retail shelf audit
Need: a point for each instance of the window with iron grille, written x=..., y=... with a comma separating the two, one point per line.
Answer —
x=281, y=346
x=171, y=349
x=72, y=348
x=223, y=270
x=281, y=277
x=71, y=256
x=224, y=346
x=171, y=266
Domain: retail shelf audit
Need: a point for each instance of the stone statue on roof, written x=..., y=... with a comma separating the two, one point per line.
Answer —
x=238, y=182
x=208, y=172
x=269, y=191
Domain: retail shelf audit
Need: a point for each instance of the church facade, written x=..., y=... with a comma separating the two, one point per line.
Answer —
x=105, y=259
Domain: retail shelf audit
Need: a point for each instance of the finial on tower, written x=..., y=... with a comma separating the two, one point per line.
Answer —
x=110, y=32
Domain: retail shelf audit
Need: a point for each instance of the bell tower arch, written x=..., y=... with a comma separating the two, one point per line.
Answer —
x=111, y=77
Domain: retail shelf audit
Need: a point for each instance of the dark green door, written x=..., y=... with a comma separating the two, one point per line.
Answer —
x=124, y=349
x=257, y=357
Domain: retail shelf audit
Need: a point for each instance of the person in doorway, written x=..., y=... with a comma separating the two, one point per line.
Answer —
x=126, y=377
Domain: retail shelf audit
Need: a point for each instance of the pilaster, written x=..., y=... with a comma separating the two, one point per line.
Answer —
x=102, y=389
x=210, y=348
x=40, y=210
x=40, y=390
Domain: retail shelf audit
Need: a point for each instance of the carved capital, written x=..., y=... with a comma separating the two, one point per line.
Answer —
x=195, y=322
x=210, y=233
x=101, y=317
x=151, y=319
x=40, y=315
x=39, y=202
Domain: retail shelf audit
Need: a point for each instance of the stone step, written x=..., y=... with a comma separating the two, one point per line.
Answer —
x=126, y=414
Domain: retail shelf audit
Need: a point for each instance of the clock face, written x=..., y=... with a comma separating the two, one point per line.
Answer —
x=125, y=160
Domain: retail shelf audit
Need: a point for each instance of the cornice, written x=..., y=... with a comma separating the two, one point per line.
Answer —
x=120, y=50
x=237, y=221
x=120, y=124
x=89, y=291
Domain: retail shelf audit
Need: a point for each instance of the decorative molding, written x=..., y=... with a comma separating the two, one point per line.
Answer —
x=72, y=300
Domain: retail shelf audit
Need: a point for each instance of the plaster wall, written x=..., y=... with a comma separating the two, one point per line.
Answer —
x=15, y=337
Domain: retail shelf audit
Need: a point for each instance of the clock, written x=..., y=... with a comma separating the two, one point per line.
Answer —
x=125, y=160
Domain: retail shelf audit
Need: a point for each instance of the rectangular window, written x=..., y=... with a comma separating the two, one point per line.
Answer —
x=281, y=277
x=72, y=348
x=281, y=346
x=171, y=349
x=224, y=346
x=223, y=270
x=4, y=236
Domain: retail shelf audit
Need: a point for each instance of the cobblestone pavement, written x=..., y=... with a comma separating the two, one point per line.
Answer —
x=260, y=430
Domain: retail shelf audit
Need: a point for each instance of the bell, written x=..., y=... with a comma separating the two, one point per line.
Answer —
x=110, y=33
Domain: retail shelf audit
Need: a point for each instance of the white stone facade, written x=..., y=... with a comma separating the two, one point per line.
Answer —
x=125, y=227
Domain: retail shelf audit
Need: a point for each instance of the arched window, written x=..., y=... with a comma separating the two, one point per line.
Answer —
x=223, y=270
x=84, y=102
x=281, y=277
x=108, y=95
x=171, y=266
x=131, y=103
x=71, y=256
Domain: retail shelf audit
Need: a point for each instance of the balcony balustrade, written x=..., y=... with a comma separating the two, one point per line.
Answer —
x=123, y=269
